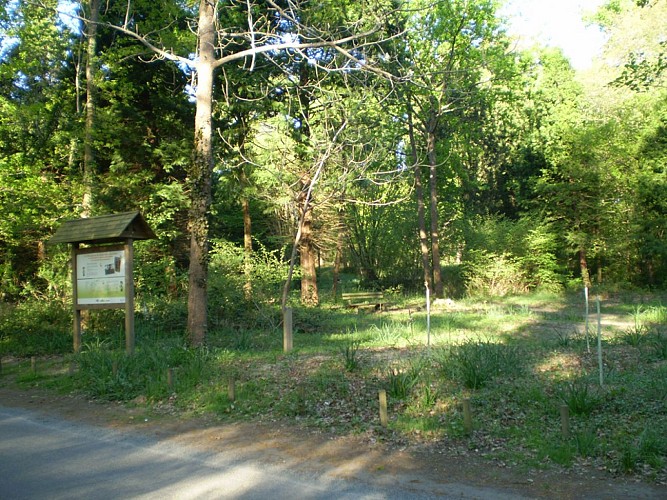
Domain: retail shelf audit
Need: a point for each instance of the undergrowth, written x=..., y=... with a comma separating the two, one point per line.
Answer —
x=516, y=376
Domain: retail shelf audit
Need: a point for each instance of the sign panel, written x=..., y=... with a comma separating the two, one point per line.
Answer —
x=100, y=277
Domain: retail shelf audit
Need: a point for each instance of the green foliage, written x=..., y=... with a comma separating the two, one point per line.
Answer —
x=658, y=345
x=109, y=374
x=578, y=396
x=237, y=298
x=507, y=257
x=375, y=226
x=402, y=380
x=649, y=448
x=351, y=356
x=587, y=442
x=489, y=274
x=35, y=328
x=475, y=363
x=391, y=333
x=539, y=261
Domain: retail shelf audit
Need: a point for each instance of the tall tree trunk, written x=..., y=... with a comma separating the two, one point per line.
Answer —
x=583, y=266
x=89, y=166
x=337, y=263
x=308, y=257
x=421, y=213
x=307, y=254
x=435, y=235
x=200, y=177
x=247, y=247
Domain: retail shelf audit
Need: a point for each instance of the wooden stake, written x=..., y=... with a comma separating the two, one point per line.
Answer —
x=33, y=364
x=170, y=378
x=383, y=407
x=231, y=389
x=129, y=297
x=565, y=421
x=467, y=416
x=114, y=368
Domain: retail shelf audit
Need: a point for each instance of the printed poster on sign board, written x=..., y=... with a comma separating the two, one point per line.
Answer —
x=100, y=278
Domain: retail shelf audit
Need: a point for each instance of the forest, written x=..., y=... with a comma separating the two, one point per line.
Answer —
x=285, y=151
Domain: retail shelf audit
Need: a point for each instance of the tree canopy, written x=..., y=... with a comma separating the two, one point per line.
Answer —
x=403, y=141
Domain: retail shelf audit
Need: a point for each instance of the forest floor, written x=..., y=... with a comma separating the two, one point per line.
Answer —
x=427, y=468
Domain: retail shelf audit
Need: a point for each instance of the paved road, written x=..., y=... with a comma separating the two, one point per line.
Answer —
x=48, y=458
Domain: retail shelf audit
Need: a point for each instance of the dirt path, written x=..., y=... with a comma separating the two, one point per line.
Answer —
x=432, y=469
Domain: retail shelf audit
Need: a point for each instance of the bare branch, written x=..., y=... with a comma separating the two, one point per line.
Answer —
x=305, y=209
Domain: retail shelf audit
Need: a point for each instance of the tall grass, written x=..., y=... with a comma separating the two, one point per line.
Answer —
x=113, y=375
x=474, y=363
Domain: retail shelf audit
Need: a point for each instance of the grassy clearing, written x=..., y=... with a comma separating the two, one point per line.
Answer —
x=517, y=361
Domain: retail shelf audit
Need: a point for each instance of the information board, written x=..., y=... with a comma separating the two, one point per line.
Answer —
x=100, y=277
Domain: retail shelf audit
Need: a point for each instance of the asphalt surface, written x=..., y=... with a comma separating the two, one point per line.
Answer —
x=43, y=457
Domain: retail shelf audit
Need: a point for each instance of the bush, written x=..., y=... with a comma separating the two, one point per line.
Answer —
x=490, y=274
x=507, y=257
x=35, y=328
x=401, y=381
x=235, y=301
x=539, y=263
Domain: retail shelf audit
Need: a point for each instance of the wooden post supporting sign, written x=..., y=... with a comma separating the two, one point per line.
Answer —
x=129, y=297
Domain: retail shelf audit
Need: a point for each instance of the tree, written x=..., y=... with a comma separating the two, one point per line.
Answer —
x=92, y=15
x=264, y=35
x=637, y=41
x=36, y=126
x=446, y=58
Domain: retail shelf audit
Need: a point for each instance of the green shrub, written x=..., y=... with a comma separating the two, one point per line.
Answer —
x=508, y=257
x=389, y=333
x=539, y=263
x=35, y=327
x=231, y=303
x=110, y=374
x=659, y=345
x=491, y=274
x=586, y=442
x=649, y=448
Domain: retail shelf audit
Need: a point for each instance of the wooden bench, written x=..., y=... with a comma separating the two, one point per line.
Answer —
x=364, y=299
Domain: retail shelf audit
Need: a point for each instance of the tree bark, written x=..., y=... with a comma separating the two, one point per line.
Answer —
x=247, y=247
x=435, y=235
x=89, y=166
x=200, y=178
x=337, y=264
x=307, y=255
x=421, y=212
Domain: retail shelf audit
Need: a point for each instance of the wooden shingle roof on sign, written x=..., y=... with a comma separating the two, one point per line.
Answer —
x=104, y=229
